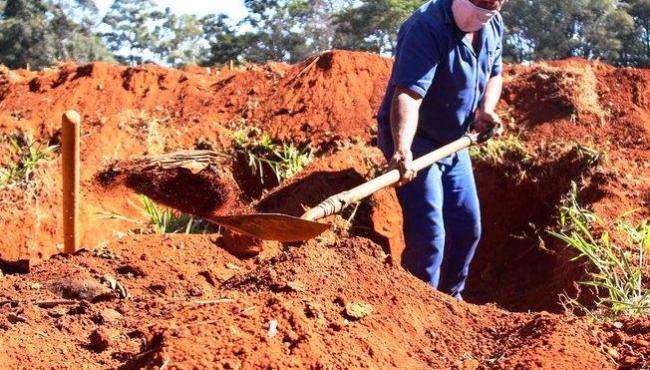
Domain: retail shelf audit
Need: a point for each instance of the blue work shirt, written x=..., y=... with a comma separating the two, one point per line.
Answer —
x=435, y=60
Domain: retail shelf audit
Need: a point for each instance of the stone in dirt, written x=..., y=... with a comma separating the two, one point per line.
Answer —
x=357, y=311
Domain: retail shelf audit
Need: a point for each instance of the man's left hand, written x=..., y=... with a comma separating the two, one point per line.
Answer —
x=486, y=120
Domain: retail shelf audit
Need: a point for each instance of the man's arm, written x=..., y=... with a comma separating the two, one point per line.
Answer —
x=486, y=116
x=492, y=94
x=404, y=116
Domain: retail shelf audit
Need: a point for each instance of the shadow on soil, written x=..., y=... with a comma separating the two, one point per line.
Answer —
x=518, y=265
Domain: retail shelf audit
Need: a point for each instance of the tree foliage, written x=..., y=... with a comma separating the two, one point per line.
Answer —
x=549, y=29
x=373, y=25
x=38, y=33
x=224, y=44
x=133, y=33
x=180, y=39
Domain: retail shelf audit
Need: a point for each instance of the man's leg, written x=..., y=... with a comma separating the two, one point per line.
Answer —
x=424, y=231
x=462, y=223
x=421, y=203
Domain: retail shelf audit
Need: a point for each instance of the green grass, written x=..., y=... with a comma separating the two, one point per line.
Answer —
x=283, y=159
x=615, y=272
x=589, y=156
x=498, y=150
x=29, y=155
x=162, y=220
x=168, y=221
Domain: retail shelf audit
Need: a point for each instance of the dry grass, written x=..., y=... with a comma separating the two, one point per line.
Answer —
x=576, y=86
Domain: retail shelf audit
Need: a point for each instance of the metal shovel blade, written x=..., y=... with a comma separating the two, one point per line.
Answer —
x=272, y=226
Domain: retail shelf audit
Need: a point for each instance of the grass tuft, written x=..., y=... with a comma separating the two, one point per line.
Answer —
x=168, y=221
x=28, y=155
x=283, y=159
x=615, y=272
x=161, y=220
x=497, y=151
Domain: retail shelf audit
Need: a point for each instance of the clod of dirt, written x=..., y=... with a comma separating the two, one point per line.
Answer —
x=242, y=246
x=132, y=271
x=357, y=311
x=102, y=338
x=16, y=319
x=107, y=316
x=195, y=182
x=296, y=286
x=81, y=289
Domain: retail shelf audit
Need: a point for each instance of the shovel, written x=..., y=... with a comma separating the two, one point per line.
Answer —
x=286, y=228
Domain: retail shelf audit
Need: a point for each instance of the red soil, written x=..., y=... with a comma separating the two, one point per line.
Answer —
x=193, y=305
x=330, y=102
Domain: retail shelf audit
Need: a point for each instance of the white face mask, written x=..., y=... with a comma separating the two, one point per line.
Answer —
x=469, y=17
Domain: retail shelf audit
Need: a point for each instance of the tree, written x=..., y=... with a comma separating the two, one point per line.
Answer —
x=550, y=29
x=40, y=33
x=72, y=23
x=25, y=39
x=291, y=30
x=224, y=44
x=636, y=49
x=134, y=32
x=180, y=38
x=373, y=25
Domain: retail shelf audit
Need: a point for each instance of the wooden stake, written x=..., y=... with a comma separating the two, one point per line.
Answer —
x=70, y=149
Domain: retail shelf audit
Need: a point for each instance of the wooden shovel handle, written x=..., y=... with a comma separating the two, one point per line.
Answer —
x=338, y=202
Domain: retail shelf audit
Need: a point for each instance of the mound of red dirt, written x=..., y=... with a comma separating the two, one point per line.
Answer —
x=334, y=95
x=339, y=305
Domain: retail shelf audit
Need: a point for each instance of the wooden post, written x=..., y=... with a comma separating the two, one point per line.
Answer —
x=70, y=149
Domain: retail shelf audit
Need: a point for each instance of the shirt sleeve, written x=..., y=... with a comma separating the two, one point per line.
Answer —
x=417, y=58
x=497, y=66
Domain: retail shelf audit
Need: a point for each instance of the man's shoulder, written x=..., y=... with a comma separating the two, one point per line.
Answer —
x=497, y=25
x=430, y=16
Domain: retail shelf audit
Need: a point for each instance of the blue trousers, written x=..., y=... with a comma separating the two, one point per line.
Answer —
x=442, y=222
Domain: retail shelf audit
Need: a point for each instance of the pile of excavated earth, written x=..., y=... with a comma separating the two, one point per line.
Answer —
x=134, y=299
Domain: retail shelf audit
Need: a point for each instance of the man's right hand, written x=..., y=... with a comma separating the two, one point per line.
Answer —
x=403, y=161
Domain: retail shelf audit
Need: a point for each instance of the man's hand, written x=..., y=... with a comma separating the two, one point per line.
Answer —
x=486, y=120
x=403, y=161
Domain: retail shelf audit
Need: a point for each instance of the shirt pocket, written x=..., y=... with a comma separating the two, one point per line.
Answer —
x=492, y=55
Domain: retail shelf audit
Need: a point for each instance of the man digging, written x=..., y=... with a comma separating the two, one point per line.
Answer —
x=445, y=81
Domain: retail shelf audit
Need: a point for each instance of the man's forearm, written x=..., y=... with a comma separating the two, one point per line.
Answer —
x=492, y=94
x=404, y=118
